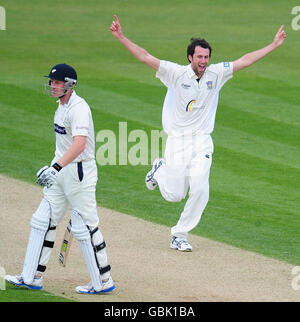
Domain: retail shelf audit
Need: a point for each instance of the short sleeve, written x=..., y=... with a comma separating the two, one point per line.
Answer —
x=80, y=119
x=168, y=72
x=224, y=71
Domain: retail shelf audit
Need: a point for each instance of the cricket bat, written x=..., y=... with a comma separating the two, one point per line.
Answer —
x=65, y=246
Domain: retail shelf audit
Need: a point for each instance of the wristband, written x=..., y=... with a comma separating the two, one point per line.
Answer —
x=57, y=167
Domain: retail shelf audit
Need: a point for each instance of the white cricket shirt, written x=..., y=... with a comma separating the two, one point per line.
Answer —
x=72, y=119
x=189, y=106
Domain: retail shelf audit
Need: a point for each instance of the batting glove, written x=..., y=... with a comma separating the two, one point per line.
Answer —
x=48, y=176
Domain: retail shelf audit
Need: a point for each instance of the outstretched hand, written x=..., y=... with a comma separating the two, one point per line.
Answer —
x=138, y=52
x=279, y=37
x=116, y=27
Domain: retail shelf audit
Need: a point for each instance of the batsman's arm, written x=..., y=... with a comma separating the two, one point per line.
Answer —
x=140, y=53
x=75, y=149
x=47, y=176
x=250, y=58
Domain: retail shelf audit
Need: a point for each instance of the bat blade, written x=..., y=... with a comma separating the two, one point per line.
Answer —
x=65, y=246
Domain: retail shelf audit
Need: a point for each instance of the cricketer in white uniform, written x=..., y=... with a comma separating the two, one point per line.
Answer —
x=71, y=180
x=188, y=118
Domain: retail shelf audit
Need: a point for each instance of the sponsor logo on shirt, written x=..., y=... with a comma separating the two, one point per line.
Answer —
x=189, y=105
x=185, y=86
x=226, y=65
x=59, y=129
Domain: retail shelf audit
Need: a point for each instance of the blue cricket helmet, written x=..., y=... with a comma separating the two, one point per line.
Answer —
x=63, y=72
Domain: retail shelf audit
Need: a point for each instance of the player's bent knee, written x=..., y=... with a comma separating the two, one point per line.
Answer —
x=173, y=197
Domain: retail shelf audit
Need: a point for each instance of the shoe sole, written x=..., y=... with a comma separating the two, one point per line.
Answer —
x=30, y=287
x=180, y=250
x=88, y=293
x=110, y=289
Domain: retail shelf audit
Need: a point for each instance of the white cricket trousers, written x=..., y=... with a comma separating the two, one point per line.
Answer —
x=188, y=159
x=75, y=186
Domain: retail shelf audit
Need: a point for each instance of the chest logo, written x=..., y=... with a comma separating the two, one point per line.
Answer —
x=189, y=106
x=59, y=129
x=185, y=86
x=209, y=84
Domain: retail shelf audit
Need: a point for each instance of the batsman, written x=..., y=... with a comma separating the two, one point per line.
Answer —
x=69, y=181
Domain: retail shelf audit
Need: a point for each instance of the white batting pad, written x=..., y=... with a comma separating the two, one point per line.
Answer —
x=39, y=226
x=82, y=234
x=97, y=239
x=47, y=249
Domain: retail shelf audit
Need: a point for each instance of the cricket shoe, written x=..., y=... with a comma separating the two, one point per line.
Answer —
x=17, y=280
x=151, y=183
x=107, y=287
x=181, y=244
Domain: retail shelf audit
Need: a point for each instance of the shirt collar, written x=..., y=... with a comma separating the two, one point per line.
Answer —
x=69, y=101
x=192, y=74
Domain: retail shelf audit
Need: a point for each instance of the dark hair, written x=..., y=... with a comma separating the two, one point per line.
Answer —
x=197, y=42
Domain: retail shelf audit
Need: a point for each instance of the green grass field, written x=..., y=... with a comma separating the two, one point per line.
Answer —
x=15, y=294
x=254, y=202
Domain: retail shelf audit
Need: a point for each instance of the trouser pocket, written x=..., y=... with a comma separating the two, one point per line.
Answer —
x=80, y=171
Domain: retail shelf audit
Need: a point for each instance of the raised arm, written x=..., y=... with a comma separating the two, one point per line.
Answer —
x=254, y=56
x=140, y=53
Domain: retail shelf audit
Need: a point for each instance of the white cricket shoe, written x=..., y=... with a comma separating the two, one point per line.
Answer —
x=151, y=183
x=181, y=244
x=107, y=287
x=17, y=280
